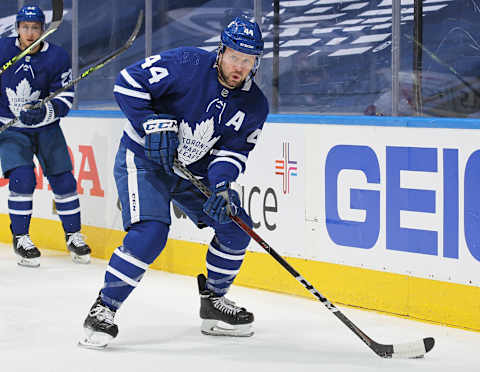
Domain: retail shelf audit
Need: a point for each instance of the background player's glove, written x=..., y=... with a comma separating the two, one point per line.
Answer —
x=161, y=140
x=223, y=203
x=33, y=116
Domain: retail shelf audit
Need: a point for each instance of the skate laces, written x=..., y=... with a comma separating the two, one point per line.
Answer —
x=77, y=239
x=226, y=306
x=25, y=242
x=102, y=313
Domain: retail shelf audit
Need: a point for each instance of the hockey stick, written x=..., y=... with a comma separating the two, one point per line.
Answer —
x=407, y=350
x=57, y=17
x=96, y=67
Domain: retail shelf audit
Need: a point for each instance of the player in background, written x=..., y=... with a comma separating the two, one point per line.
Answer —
x=46, y=69
x=205, y=108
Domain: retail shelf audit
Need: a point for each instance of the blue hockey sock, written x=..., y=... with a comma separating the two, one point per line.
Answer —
x=225, y=255
x=143, y=243
x=67, y=203
x=20, y=200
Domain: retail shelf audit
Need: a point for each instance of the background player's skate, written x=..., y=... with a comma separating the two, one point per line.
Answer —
x=27, y=254
x=79, y=250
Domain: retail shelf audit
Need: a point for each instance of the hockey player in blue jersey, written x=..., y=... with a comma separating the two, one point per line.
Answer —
x=46, y=69
x=206, y=109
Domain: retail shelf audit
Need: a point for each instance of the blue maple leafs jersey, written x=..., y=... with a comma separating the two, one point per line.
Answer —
x=34, y=77
x=217, y=126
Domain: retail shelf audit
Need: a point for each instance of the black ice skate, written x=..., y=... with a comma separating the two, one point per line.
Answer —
x=79, y=250
x=27, y=254
x=98, y=326
x=221, y=317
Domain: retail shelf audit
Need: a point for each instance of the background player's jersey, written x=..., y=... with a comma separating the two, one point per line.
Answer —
x=216, y=124
x=33, y=77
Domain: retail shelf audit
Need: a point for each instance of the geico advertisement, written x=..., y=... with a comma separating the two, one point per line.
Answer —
x=402, y=200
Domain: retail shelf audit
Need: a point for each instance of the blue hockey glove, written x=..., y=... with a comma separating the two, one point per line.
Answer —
x=33, y=116
x=161, y=140
x=222, y=203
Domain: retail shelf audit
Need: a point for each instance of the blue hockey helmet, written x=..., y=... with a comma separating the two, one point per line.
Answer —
x=243, y=36
x=30, y=13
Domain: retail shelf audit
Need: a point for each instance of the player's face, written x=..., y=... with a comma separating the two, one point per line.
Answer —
x=29, y=32
x=234, y=67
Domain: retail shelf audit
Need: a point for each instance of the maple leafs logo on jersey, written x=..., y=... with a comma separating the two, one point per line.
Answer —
x=194, y=145
x=22, y=95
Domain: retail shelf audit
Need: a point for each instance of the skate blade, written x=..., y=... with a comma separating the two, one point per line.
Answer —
x=218, y=328
x=84, y=260
x=95, y=340
x=28, y=262
x=90, y=345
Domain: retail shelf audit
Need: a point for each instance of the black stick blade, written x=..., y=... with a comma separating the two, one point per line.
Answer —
x=429, y=343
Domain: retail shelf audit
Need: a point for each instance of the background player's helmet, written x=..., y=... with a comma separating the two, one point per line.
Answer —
x=30, y=14
x=243, y=36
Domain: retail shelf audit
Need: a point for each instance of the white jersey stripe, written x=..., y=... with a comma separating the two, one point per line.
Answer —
x=228, y=160
x=133, y=135
x=132, y=93
x=65, y=101
x=222, y=153
x=66, y=94
x=130, y=80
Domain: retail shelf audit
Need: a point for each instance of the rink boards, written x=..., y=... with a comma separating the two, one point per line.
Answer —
x=379, y=213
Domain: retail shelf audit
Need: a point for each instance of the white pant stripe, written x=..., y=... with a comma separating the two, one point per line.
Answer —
x=134, y=200
x=121, y=276
x=222, y=271
x=130, y=259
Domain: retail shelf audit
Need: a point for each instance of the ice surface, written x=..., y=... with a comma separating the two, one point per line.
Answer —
x=42, y=311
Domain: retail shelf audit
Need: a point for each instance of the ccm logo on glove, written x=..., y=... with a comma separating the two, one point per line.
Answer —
x=160, y=125
x=161, y=140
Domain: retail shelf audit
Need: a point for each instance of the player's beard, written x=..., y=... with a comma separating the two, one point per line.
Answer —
x=224, y=79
